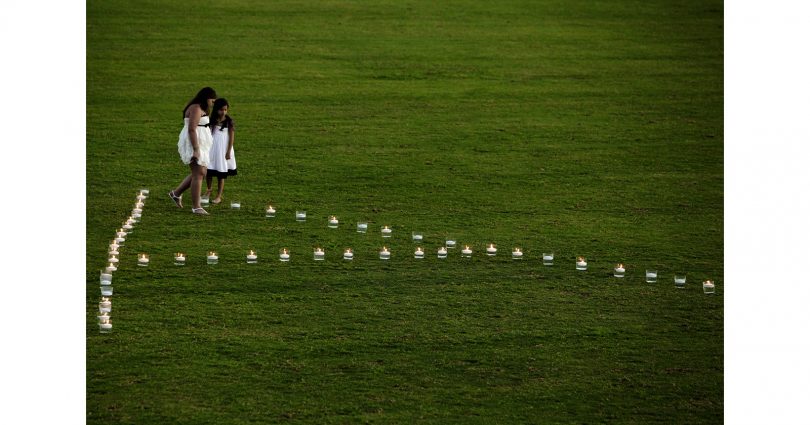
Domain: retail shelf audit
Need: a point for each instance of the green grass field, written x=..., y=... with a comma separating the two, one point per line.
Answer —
x=579, y=127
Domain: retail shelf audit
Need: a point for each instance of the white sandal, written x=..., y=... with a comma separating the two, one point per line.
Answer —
x=199, y=211
x=178, y=200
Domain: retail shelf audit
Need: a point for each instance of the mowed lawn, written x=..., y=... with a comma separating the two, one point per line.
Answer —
x=583, y=128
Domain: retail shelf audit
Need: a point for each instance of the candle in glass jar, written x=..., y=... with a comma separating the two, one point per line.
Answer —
x=105, y=277
x=419, y=253
x=450, y=243
x=386, y=232
x=385, y=254
x=333, y=222
x=104, y=306
x=143, y=260
x=212, y=257
x=110, y=268
x=284, y=255
x=251, y=257
x=236, y=205
x=708, y=287
x=582, y=264
x=270, y=212
x=466, y=252
x=348, y=254
x=318, y=254
x=362, y=227
x=517, y=254
x=179, y=259
x=442, y=252
x=619, y=270
x=300, y=216
x=491, y=250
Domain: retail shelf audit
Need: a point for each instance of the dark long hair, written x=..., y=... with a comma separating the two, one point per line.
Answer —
x=201, y=99
x=218, y=104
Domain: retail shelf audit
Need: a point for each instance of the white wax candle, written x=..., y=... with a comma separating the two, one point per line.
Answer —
x=319, y=254
x=212, y=257
x=491, y=250
x=517, y=253
x=417, y=237
x=362, y=227
x=450, y=243
x=619, y=269
x=548, y=257
x=386, y=232
x=106, y=277
x=466, y=250
x=300, y=215
x=333, y=220
x=251, y=256
x=145, y=192
x=113, y=259
x=348, y=254
x=284, y=256
x=652, y=274
x=179, y=258
x=111, y=268
x=270, y=210
x=236, y=205
x=385, y=254
x=442, y=252
x=143, y=259
x=419, y=253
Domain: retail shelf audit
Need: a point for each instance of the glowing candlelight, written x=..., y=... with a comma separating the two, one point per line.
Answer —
x=385, y=254
x=270, y=212
x=333, y=222
x=491, y=250
x=619, y=270
x=708, y=287
x=104, y=324
x=419, y=253
x=251, y=257
x=386, y=232
x=284, y=255
x=110, y=268
x=113, y=259
x=466, y=252
x=318, y=254
x=348, y=254
x=179, y=259
x=104, y=306
x=517, y=254
x=442, y=252
x=143, y=260
x=212, y=257
x=582, y=264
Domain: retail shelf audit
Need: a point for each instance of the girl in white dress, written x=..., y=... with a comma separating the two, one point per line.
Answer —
x=222, y=162
x=194, y=145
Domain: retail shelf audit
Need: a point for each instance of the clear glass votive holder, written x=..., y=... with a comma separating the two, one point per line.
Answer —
x=300, y=216
x=179, y=259
x=450, y=242
x=284, y=255
x=466, y=252
x=348, y=255
x=236, y=205
x=619, y=270
x=333, y=222
x=251, y=257
x=548, y=258
x=491, y=250
x=105, y=277
x=204, y=200
x=105, y=325
x=362, y=227
x=442, y=252
x=708, y=287
x=106, y=291
x=416, y=236
x=143, y=260
x=386, y=231
x=270, y=212
x=212, y=258
x=651, y=276
x=517, y=254
x=419, y=254
x=680, y=281
x=105, y=305
x=582, y=265
x=318, y=254
x=385, y=254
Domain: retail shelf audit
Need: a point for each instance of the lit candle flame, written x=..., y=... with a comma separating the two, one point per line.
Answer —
x=619, y=266
x=580, y=259
x=251, y=252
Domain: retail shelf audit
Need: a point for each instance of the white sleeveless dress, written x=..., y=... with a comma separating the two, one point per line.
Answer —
x=218, y=166
x=204, y=142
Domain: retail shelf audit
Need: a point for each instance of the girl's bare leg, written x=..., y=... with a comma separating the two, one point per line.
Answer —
x=220, y=189
x=197, y=177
